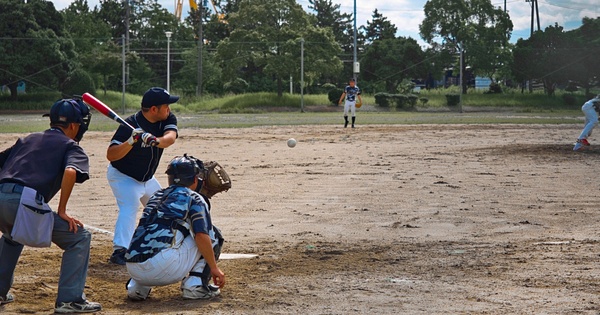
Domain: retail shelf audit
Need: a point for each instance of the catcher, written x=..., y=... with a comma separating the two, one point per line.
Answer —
x=175, y=238
x=590, y=110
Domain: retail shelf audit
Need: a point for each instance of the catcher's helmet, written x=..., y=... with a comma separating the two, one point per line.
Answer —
x=67, y=111
x=182, y=170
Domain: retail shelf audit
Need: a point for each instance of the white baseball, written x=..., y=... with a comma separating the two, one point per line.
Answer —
x=291, y=142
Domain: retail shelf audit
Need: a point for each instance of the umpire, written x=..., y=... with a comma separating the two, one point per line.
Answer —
x=134, y=157
x=44, y=163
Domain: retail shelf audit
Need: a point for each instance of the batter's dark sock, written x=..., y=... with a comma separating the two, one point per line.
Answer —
x=346, y=123
x=353, y=120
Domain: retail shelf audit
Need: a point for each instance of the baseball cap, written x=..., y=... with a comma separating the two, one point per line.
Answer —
x=157, y=96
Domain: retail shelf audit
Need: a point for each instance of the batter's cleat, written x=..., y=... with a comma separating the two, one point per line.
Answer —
x=200, y=292
x=584, y=142
x=74, y=307
x=118, y=257
x=9, y=298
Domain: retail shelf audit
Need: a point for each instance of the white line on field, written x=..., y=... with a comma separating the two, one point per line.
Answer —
x=223, y=256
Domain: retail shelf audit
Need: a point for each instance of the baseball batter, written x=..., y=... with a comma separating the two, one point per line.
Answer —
x=134, y=157
x=175, y=238
x=33, y=171
x=590, y=110
x=351, y=92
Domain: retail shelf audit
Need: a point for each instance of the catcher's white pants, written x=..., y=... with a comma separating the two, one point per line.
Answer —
x=169, y=266
x=591, y=119
x=350, y=106
x=129, y=194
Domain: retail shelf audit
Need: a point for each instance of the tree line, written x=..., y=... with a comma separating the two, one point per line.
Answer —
x=255, y=46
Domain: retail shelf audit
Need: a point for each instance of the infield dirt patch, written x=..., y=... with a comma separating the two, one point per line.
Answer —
x=428, y=219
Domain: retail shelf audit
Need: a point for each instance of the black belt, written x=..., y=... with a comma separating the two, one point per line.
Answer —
x=11, y=188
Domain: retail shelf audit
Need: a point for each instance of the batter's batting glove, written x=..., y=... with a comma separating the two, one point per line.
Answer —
x=149, y=139
x=136, y=134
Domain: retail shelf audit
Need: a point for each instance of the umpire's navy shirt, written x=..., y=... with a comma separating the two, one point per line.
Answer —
x=142, y=161
x=39, y=161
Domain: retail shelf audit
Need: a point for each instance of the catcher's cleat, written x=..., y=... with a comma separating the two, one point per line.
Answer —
x=9, y=298
x=200, y=292
x=136, y=292
x=118, y=257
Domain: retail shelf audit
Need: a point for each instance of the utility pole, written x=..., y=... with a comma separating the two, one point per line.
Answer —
x=355, y=60
x=535, y=11
x=200, y=47
x=302, y=75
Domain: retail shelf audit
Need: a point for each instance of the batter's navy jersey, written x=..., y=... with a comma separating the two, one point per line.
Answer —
x=39, y=161
x=141, y=162
x=351, y=93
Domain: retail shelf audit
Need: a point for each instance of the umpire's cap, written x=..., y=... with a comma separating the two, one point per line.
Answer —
x=69, y=110
x=66, y=111
x=182, y=170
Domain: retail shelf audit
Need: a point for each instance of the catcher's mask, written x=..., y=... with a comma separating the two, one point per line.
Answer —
x=182, y=170
x=66, y=111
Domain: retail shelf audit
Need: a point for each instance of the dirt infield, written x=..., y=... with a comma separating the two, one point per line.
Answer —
x=428, y=219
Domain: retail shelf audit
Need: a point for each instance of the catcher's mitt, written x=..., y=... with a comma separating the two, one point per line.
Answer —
x=214, y=178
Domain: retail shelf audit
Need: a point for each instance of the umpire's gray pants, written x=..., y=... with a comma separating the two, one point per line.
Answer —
x=74, y=266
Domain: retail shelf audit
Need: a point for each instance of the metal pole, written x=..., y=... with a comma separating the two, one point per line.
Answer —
x=537, y=13
x=355, y=49
x=302, y=75
x=461, y=80
x=123, y=72
x=200, y=48
x=168, y=60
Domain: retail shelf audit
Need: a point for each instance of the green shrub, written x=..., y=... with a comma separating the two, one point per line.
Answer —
x=412, y=100
x=569, y=99
x=424, y=101
x=382, y=99
x=494, y=88
x=79, y=82
x=334, y=95
x=452, y=99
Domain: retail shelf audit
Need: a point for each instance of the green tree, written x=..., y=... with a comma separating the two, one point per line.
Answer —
x=476, y=26
x=35, y=47
x=266, y=34
x=379, y=28
x=589, y=64
x=389, y=61
x=551, y=56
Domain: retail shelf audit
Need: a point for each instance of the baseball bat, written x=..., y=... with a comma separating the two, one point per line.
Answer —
x=104, y=109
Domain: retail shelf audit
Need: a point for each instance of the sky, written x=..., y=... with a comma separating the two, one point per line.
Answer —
x=408, y=14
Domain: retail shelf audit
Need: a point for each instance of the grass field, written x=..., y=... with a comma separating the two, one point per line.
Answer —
x=22, y=123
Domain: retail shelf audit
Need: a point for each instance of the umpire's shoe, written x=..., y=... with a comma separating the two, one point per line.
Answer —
x=74, y=307
x=9, y=298
x=118, y=257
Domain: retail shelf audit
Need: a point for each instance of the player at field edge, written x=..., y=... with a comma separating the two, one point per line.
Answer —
x=34, y=170
x=175, y=238
x=351, y=92
x=134, y=157
x=590, y=109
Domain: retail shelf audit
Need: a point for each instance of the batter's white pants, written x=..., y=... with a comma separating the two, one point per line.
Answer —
x=169, y=266
x=591, y=120
x=350, y=106
x=129, y=194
